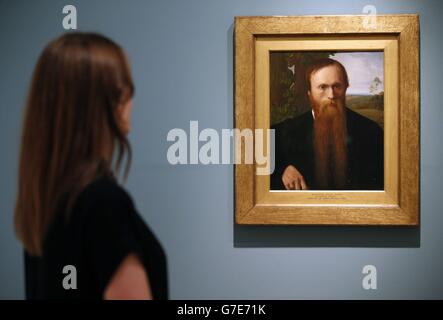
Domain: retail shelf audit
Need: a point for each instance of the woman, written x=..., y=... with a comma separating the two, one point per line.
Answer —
x=70, y=211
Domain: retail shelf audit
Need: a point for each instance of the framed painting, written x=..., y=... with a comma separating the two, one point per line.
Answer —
x=339, y=100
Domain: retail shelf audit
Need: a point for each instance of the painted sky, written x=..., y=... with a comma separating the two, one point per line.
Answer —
x=362, y=68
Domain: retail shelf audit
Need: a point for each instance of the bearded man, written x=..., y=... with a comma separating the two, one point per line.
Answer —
x=330, y=147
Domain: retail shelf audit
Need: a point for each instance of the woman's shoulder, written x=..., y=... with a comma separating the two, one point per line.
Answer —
x=104, y=191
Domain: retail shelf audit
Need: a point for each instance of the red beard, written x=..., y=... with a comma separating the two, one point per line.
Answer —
x=330, y=150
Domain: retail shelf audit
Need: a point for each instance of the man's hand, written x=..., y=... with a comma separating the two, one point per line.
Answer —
x=293, y=179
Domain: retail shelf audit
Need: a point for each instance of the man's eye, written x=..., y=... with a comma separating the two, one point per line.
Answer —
x=323, y=86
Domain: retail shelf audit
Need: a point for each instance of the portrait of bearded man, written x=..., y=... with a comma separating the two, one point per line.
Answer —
x=329, y=147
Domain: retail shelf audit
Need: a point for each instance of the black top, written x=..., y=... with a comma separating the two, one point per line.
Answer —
x=294, y=146
x=102, y=229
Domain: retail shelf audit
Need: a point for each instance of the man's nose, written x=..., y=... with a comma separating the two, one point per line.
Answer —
x=331, y=93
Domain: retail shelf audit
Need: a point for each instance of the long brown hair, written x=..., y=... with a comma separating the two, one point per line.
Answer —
x=71, y=129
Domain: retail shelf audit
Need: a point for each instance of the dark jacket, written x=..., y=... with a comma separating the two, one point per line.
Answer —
x=294, y=146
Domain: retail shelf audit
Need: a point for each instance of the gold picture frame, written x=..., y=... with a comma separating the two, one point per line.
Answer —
x=398, y=37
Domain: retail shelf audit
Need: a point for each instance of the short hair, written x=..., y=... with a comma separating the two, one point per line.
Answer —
x=320, y=64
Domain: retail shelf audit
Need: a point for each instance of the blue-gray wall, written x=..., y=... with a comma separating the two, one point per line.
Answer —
x=182, y=58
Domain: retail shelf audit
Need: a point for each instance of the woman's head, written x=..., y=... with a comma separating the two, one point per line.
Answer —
x=77, y=116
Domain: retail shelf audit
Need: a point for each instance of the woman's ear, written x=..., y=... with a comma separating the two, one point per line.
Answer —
x=124, y=115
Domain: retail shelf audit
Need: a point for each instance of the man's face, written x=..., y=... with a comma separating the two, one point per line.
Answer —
x=328, y=90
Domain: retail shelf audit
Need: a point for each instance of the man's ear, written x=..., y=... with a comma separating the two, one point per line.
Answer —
x=309, y=93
